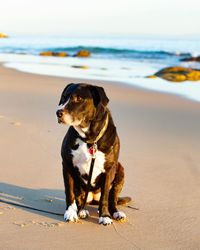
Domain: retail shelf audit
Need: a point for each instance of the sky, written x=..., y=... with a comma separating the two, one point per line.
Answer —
x=105, y=17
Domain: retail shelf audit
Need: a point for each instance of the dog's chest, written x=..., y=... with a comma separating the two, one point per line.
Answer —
x=81, y=159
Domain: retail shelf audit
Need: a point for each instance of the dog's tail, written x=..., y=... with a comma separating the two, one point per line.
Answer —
x=123, y=200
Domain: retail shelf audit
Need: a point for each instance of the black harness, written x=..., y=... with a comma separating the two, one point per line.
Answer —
x=92, y=151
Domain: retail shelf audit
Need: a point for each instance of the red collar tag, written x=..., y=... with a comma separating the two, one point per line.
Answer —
x=93, y=150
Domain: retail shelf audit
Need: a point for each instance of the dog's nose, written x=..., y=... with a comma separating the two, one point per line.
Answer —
x=59, y=113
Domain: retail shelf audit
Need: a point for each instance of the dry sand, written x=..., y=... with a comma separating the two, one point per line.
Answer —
x=160, y=144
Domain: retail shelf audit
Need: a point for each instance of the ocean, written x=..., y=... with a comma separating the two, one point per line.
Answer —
x=122, y=60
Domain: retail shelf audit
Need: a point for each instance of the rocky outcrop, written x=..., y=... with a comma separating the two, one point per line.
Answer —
x=191, y=59
x=52, y=53
x=3, y=35
x=178, y=74
x=83, y=53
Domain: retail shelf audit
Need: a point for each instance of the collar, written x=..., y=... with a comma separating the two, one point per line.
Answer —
x=103, y=130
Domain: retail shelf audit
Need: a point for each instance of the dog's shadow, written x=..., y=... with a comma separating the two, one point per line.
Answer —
x=45, y=199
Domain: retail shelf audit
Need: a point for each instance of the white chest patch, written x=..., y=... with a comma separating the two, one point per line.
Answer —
x=82, y=160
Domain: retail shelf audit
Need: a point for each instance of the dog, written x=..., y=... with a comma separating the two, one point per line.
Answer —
x=84, y=108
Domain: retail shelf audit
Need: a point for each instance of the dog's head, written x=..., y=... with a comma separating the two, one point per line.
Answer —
x=79, y=103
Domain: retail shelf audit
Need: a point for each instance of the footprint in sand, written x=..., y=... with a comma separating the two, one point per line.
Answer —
x=48, y=199
x=17, y=124
x=3, y=209
x=7, y=208
x=39, y=223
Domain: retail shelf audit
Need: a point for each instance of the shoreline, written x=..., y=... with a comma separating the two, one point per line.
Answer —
x=105, y=70
x=160, y=144
x=109, y=81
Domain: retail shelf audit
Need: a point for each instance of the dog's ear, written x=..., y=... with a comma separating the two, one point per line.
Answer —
x=99, y=95
x=67, y=90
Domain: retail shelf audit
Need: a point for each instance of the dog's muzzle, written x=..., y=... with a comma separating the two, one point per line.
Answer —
x=59, y=114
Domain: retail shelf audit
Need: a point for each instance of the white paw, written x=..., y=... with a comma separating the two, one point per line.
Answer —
x=71, y=213
x=70, y=216
x=105, y=221
x=83, y=214
x=119, y=215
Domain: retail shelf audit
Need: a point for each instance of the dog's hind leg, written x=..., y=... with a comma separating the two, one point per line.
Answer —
x=114, y=193
x=104, y=215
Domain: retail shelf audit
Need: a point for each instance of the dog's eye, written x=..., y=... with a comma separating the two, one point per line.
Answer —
x=77, y=98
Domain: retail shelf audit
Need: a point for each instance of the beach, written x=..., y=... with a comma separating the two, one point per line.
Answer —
x=126, y=59
x=160, y=145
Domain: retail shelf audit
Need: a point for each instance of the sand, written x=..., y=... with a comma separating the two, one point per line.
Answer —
x=160, y=144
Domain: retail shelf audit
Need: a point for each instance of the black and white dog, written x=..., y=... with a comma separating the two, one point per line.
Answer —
x=84, y=108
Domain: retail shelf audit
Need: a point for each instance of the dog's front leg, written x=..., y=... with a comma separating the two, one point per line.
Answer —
x=104, y=215
x=71, y=207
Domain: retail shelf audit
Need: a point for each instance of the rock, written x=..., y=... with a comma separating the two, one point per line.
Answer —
x=80, y=67
x=3, y=35
x=83, y=53
x=46, y=53
x=191, y=59
x=178, y=74
x=51, y=53
x=61, y=54
x=152, y=76
x=173, y=77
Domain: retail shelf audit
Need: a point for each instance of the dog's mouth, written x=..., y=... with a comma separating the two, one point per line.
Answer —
x=60, y=120
x=66, y=118
x=60, y=116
